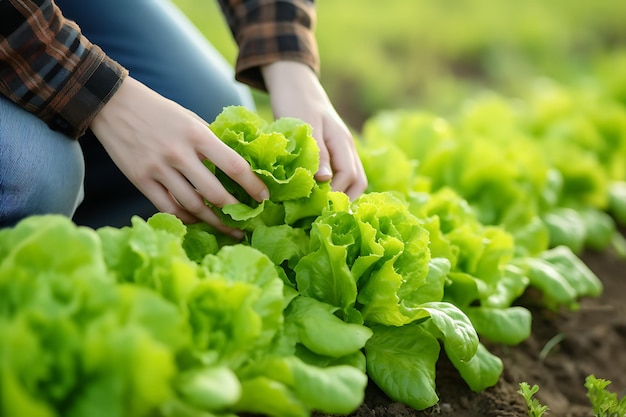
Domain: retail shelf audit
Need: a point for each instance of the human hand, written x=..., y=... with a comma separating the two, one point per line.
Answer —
x=160, y=146
x=295, y=91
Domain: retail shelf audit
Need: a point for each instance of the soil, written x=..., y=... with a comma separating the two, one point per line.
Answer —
x=564, y=348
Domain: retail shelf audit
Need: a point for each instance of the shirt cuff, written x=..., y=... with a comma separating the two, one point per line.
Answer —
x=77, y=103
x=263, y=42
x=248, y=68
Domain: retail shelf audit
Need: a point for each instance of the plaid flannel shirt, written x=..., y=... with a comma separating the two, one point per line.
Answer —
x=50, y=69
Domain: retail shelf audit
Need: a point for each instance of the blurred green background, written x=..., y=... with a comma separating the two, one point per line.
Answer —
x=434, y=54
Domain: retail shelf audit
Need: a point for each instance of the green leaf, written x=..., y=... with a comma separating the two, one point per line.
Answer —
x=617, y=201
x=401, y=361
x=509, y=288
x=501, y=325
x=248, y=218
x=200, y=241
x=600, y=228
x=535, y=409
x=462, y=289
x=209, y=388
x=433, y=288
x=355, y=359
x=151, y=254
x=237, y=310
x=291, y=387
x=457, y=331
x=307, y=208
x=379, y=297
x=265, y=396
x=337, y=389
x=321, y=331
x=544, y=276
x=284, y=155
x=566, y=228
x=603, y=402
x=324, y=274
x=281, y=243
x=298, y=185
x=584, y=281
x=531, y=238
x=482, y=371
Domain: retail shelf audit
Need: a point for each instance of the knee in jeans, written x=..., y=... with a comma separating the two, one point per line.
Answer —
x=41, y=171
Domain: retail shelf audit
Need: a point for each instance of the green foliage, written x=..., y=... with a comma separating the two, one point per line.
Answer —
x=126, y=324
x=75, y=342
x=426, y=65
x=368, y=259
x=284, y=155
x=163, y=319
x=553, y=177
x=535, y=408
x=603, y=402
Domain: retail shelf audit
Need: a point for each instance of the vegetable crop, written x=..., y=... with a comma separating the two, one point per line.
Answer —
x=126, y=324
x=163, y=319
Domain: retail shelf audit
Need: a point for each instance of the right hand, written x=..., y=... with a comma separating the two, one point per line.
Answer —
x=160, y=146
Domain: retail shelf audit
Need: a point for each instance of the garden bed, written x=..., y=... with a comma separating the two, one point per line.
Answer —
x=590, y=341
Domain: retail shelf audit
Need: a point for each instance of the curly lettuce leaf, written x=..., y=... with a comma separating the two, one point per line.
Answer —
x=283, y=154
x=78, y=340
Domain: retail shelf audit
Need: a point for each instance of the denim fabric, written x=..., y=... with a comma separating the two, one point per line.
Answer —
x=161, y=48
x=41, y=171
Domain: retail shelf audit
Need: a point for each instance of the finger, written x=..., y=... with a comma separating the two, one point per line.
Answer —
x=165, y=203
x=324, y=172
x=206, y=184
x=235, y=166
x=341, y=151
x=183, y=199
x=360, y=184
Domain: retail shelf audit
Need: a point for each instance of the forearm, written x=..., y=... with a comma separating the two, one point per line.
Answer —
x=50, y=69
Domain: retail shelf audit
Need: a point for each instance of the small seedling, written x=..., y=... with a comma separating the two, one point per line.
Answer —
x=535, y=408
x=603, y=402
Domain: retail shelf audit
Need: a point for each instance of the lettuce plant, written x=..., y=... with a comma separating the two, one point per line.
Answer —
x=163, y=319
x=127, y=324
x=284, y=155
x=410, y=256
x=368, y=259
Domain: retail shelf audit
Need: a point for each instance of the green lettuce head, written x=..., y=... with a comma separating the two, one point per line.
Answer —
x=284, y=155
x=370, y=255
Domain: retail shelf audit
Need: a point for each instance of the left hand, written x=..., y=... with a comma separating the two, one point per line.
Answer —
x=295, y=91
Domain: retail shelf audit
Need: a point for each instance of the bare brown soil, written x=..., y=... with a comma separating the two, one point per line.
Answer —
x=564, y=348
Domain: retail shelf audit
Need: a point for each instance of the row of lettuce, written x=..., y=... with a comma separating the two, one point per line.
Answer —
x=323, y=294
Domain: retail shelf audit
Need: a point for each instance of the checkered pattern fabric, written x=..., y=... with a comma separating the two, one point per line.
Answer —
x=50, y=69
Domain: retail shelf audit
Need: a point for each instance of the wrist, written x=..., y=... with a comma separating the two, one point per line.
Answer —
x=282, y=74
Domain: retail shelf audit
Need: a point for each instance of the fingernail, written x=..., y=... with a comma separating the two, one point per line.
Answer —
x=325, y=171
x=264, y=195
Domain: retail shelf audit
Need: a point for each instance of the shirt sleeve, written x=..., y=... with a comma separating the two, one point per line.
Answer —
x=48, y=68
x=267, y=31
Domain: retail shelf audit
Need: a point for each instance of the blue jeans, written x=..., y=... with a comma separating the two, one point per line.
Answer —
x=41, y=171
x=161, y=48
